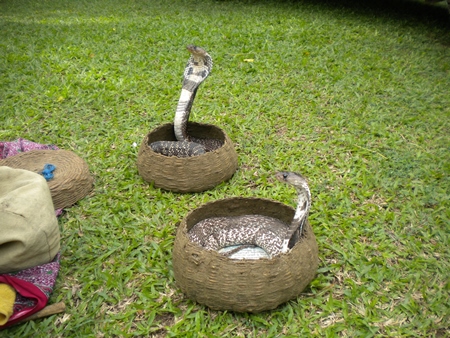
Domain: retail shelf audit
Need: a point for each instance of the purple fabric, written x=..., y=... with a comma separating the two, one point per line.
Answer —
x=33, y=288
x=20, y=146
x=41, y=277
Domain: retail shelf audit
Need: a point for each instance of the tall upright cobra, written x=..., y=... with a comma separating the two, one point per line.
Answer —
x=267, y=233
x=197, y=70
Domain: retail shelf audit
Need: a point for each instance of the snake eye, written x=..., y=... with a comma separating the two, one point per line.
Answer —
x=285, y=175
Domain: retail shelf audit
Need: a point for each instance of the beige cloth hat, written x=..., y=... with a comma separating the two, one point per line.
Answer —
x=29, y=232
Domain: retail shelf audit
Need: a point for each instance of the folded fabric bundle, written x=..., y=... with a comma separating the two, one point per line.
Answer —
x=33, y=286
x=29, y=244
x=29, y=237
x=29, y=231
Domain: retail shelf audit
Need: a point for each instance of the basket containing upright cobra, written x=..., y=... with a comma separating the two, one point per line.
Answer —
x=184, y=156
x=187, y=174
x=235, y=282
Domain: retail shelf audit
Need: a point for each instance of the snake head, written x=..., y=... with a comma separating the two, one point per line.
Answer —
x=292, y=178
x=195, y=50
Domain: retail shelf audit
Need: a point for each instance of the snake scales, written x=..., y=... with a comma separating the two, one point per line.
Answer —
x=266, y=233
x=197, y=70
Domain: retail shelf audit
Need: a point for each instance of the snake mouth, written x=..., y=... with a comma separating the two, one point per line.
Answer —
x=281, y=176
x=292, y=178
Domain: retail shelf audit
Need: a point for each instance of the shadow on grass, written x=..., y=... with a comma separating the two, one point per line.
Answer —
x=433, y=15
x=396, y=9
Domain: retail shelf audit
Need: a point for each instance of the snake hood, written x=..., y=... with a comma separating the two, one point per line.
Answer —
x=197, y=68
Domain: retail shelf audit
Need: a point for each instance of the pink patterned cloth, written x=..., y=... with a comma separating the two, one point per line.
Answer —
x=33, y=289
x=34, y=285
x=20, y=146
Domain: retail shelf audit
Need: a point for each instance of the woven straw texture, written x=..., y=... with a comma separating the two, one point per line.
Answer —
x=72, y=180
x=221, y=283
x=189, y=174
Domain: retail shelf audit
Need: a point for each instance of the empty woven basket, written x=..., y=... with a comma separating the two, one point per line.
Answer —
x=221, y=283
x=189, y=174
x=72, y=180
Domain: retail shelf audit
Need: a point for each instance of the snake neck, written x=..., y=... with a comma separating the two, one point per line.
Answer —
x=182, y=114
x=300, y=216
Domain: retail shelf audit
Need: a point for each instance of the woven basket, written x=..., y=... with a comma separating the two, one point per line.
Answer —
x=221, y=283
x=189, y=174
x=72, y=180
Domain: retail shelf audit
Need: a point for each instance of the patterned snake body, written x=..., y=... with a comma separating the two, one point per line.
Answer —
x=197, y=70
x=216, y=233
x=267, y=233
x=179, y=149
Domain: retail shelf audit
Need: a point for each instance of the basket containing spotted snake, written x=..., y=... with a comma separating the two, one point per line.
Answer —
x=185, y=156
x=247, y=254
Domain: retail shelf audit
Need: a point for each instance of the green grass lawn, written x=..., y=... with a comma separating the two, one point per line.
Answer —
x=355, y=96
